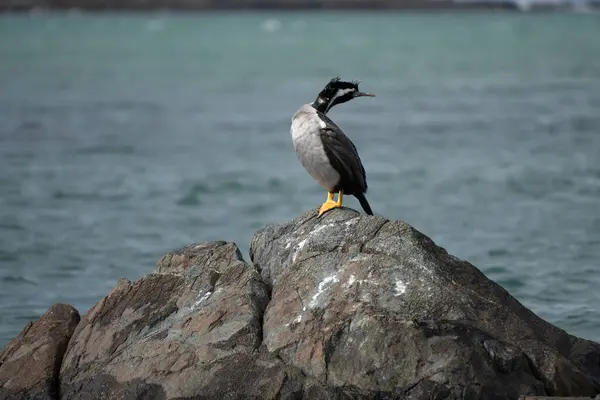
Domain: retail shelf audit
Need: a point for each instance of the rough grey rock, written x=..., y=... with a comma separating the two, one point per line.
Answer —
x=30, y=363
x=375, y=309
x=345, y=306
x=192, y=329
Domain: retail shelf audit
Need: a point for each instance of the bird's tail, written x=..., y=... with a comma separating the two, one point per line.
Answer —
x=364, y=203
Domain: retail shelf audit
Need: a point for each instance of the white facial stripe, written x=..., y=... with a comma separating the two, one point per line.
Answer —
x=339, y=93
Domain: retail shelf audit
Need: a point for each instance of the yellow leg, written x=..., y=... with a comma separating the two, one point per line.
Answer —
x=330, y=203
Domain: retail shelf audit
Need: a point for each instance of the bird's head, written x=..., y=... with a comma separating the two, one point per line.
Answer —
x=337, y=92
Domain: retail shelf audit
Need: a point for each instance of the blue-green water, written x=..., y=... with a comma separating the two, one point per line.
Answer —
x=125, y=136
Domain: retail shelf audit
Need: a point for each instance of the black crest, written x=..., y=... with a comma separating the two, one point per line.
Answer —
x=335, y=92
x=337, y=84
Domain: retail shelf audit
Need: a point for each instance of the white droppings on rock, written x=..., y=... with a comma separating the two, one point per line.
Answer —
x=366, y=297
x=368, y=282
x=320, y=228
x=350, y=282
x=296, y=320
x=200, y=300
x=299, y=248
x=399, y=287
x=302, y=243
x=321, y=288
x=359, y=257
x=352, y=221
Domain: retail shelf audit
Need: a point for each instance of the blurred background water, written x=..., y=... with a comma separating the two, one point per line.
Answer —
x=124, y=136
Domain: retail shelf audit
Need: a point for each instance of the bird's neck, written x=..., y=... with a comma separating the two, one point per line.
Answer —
x=322, y=105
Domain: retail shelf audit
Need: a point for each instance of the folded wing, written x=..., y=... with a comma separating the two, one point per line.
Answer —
x=343, y=157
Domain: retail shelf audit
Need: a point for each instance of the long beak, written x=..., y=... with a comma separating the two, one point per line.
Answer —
x=361, y=94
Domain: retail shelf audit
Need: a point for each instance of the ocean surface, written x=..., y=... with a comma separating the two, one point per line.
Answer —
x=125, y=136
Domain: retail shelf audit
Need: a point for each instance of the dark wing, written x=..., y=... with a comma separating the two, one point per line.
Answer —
x=343, y=157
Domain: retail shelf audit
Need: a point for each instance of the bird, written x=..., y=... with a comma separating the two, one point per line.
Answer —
x=327, y=154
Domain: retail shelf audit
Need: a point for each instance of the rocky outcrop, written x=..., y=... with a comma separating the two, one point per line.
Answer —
x=345, y=306
x=30, y=363
x=376, y=308
x=191, y=329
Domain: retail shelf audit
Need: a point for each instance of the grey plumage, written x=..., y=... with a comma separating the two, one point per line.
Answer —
x=326, y=153
x=306, y=133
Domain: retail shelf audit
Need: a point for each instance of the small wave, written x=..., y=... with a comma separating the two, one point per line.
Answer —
x=107, y=149
x=582, y=317
x=511, y=284
x=245, y=185
x=275, y=184
x=192, y=196
x=496, y=270
x=258, y=208
x=71, y=267
x=11, y=226
x=30, y=129
x=538, y=185
x=227, y=185
x=66, y=195
x=18, y=280
x=498, y=252
x=8, y=256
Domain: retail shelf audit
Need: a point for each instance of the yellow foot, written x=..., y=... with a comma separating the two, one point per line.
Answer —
x=328, y=205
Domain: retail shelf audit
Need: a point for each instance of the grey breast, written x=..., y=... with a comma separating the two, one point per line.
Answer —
x=306, y=136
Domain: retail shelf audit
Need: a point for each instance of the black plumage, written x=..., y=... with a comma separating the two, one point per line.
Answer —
x=344, y=158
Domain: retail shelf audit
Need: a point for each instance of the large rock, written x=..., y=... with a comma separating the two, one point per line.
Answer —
x=30, y=363
x=345, y=306
x=375, y=309
x=190, y=330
